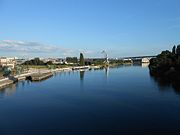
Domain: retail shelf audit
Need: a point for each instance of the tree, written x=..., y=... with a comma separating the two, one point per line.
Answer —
x=81, y=62
x=49, y=63
x=174, y=49
x=71, y=59
x=178, y=50
x=19, y=70
x=6, y=71
x=35, y=61
x=166, y=66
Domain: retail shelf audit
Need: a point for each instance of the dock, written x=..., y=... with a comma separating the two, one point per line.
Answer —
x=39, y=76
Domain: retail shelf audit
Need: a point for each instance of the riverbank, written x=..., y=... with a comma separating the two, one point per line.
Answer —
x=35, y=74
x=40, y=74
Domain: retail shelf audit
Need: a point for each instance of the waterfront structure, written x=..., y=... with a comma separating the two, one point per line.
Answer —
x=145, y=60
x=7, y=62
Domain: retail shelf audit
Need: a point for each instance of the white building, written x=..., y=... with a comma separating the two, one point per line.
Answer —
x=9, y=62
x=145, y=60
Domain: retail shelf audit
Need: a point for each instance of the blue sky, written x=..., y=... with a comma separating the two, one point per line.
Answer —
x=59, y=28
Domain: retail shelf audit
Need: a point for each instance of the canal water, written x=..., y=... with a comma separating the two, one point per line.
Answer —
x=121, y=100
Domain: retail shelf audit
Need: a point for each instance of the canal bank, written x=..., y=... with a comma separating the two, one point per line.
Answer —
x=41, y=74
x=34, y=75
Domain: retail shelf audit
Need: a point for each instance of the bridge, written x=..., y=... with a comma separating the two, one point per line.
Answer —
x=142, y=59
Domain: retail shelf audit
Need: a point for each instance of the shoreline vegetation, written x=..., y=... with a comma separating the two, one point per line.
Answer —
x=165, y=68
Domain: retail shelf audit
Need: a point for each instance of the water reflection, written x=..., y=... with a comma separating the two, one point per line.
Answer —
x=145, y=65
x=8, y=91
x=11, y=89
x=82, y=75
x=107, y=72
x=163, y=85
x=166, y=85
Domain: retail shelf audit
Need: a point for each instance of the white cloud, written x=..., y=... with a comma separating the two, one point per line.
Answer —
x=31, y=47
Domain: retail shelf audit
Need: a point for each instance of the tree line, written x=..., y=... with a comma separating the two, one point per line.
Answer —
x=167, y=64
x=37, y=61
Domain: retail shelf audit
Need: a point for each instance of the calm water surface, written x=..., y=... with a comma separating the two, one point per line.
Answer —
x=124, y=100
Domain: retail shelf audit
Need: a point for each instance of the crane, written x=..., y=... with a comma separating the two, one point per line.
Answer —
x=106, y=57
